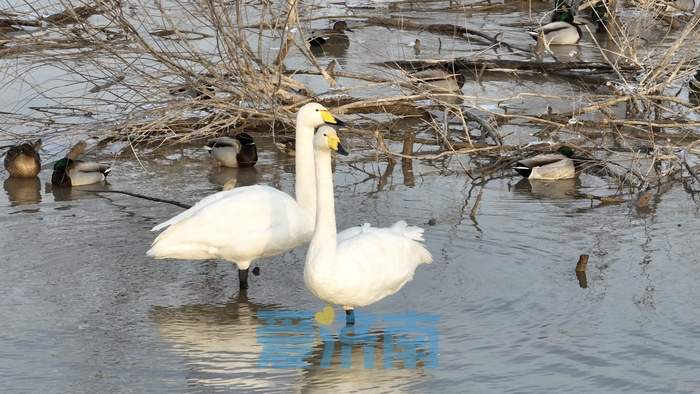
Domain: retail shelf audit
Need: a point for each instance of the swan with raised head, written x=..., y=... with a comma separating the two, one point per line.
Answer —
x=252, y=222
x=360, y=265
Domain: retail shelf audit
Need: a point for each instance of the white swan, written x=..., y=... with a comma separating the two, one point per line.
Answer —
x=252, y=222
x=361, y=265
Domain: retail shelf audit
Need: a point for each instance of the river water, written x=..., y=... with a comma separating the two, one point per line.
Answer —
x=84, y=310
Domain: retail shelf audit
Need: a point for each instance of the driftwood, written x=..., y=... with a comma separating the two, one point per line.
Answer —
x=73, y=15
x=444, y=28
x=509, y=66
x=149, y=198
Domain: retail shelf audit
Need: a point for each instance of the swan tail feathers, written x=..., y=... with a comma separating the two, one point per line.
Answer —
x=411, y=232
x=414, y=234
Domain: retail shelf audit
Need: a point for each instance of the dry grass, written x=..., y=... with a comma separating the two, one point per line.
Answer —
x=172, y=72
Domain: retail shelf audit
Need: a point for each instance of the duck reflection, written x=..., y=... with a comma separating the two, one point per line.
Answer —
x=337, y=48
x=566, y=53
x=23, y=191
x=219, y=342
x=233, y=176
x=554, y=190
x=67, y=193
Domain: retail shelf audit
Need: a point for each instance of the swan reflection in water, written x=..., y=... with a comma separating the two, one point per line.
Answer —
x=223, y=349
x=351, y=361
x=23, y=191
x=220, y=343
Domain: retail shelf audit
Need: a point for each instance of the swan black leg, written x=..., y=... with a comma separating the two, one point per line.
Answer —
x=243, y=279
x=350, y=317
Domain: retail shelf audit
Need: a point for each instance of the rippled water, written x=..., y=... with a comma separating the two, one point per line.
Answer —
x=84, y=309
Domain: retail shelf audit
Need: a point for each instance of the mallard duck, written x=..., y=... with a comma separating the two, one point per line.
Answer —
x=563, y=32
x=438, y=80
x=337, y=34
x=72, y=172
x=23, y=161
x=360, y=265
x=286, y=145
x=548, y=166
x=239, y=151
x=251, y=222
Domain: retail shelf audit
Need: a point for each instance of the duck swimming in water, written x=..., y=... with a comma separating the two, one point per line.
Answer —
x=237, y=151
x=566, y=31
x=23, y=161
x=548, y=166
x=70, y=171
x=329, y=36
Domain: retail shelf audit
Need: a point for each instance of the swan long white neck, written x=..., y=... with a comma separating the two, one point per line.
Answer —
x=305, y=184
x=325, y=233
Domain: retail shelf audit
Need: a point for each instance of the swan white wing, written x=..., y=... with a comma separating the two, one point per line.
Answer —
x=352, y=232
x=239, y=226
x=202, y=204
x=373, y=263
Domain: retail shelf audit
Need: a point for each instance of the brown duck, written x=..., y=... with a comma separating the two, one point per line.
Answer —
x=23, y=161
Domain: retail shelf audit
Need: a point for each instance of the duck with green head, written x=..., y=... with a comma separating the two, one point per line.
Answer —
x=562, y=12
x=548, y=166
x=69, y=171
x=23, y=161
x=563, y=30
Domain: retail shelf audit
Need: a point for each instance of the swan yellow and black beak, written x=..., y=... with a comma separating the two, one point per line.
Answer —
x=334, y=144
x=330, y=119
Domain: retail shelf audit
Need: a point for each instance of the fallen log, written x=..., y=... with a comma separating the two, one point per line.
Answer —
x=508, y=65
x=444, y=28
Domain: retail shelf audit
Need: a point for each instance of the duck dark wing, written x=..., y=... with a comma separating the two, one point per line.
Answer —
x=539, y=160
x=522, y=170
x=317, y=41
x=12, y=154
x=222, y=142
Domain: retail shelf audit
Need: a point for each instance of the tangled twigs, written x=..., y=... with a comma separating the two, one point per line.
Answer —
x=443, y=28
